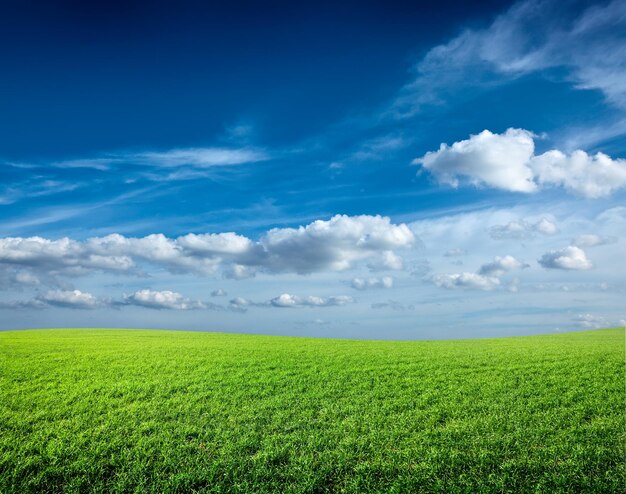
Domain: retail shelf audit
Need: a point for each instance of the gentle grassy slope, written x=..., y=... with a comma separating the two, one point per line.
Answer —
x=161, y=411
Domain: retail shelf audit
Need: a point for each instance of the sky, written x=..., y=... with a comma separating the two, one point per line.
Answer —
x=384, y=170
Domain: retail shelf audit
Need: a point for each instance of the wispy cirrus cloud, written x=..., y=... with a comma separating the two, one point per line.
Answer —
x=200, y=157
x=523, y=229
x=588, y=42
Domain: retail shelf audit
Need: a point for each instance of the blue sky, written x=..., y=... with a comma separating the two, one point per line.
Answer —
x=363, y=170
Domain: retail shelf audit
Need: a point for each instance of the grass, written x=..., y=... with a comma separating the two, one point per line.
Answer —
x=162, y=411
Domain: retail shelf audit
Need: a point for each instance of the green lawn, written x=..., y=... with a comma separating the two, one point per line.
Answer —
x=96, y=410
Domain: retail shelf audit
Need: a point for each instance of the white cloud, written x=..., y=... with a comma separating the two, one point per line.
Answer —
x=63, y=255
x=497, y=160
x=499, y=266
x=333, y=245
x=587, y=42
x=286, y=300
x=371, y=282
x=591, y=321
x=466, y=280
x=585, y=175
x=198, y=157
x=507, y=161
x=569, y=258
x=165, y=299
x=74, y=299
x=218, y=293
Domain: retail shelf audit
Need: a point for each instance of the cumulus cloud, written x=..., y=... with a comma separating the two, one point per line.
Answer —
x=218, y=293
x=54, y=256
x=165, y=299
x=333, y=245
x=372, y=282
x=496, y=160
x=487, y=277
x=466, y=280
x=286, y=300
x=507, y=161
x=74, y=299
x=569, y=258
x=499, y=266
x=591, y=176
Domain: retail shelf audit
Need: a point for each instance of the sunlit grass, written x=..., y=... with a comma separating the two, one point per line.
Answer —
x=163, y=411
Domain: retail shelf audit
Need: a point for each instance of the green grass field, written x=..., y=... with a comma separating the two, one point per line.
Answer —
x=163, y=411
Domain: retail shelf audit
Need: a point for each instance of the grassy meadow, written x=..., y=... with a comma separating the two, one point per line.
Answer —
x=99, y=410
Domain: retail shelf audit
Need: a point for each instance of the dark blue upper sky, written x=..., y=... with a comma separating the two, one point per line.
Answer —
x=84, y=77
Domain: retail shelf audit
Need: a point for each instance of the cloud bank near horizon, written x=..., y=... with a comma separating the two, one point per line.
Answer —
x=333, y=245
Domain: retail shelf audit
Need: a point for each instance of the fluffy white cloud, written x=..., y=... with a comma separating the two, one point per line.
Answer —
x=487, y=277
x=466, y=280
x=499, y=266
x=507, y=161
x=496, y=160
x=165, y=299
x=74, y=299
x=585, y=175
x=332, y=245
x=63, y=255
x=371, y=282
x=286, y=300
x=569, y=258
